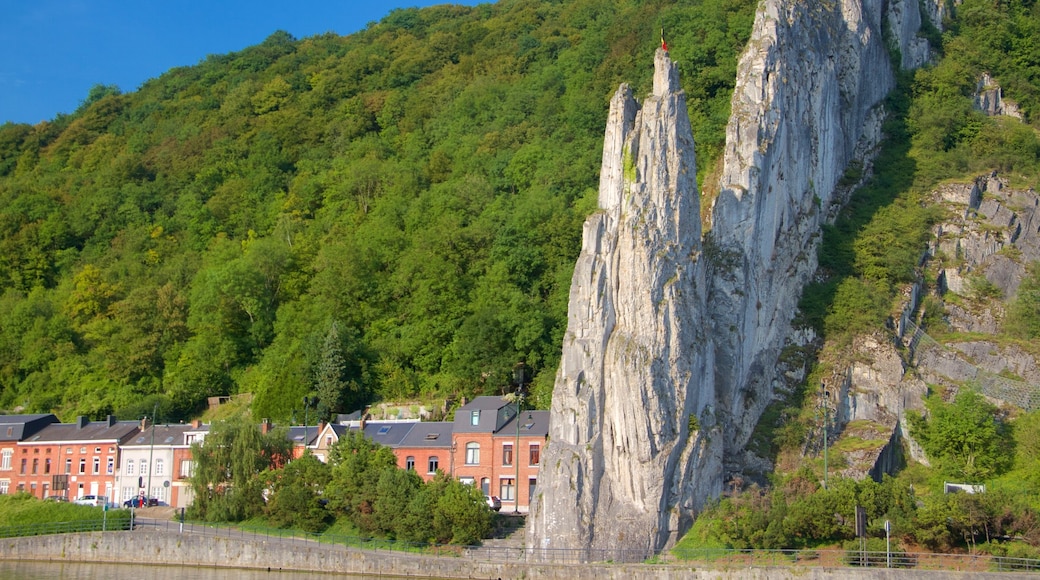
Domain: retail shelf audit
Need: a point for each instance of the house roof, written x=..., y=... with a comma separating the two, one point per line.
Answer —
x=532, y=423
x=18, y=427
x=165, y=435
x=390, y=433
x=85, y=430
x=484, y=403
x=297, y=433
x=429, y=434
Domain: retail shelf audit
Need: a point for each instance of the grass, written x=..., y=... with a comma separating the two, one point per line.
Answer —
x=22, y=509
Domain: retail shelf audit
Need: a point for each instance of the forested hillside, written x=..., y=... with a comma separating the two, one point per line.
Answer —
x=390, y=214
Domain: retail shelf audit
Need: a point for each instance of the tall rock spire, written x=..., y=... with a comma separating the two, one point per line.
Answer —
x=630, y=451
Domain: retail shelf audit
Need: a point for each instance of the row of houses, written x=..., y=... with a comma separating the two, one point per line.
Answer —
x=490, y=444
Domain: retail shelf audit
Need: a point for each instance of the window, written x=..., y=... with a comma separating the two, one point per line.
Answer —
x=144, y=466
x=186, y=467
x=97, y=466
x=4, y=486
x=536, y=456
x=97, y=450
x=110, y=466
x=432, y=464
x=531, y=485
x=47, y=466
x=507, y=454
x=68, y=465
x=485, y=486
x=474, y=417
x=129, y=466
x=68, y=451
x=328, y=441
x=158, y=466
x=25, y=462
x=506, y=490
x=472, y=453
x=467, y=480
x=5, y=461
x=83, y=465
x=409, y=463
x=82, y=449
x=36, y=465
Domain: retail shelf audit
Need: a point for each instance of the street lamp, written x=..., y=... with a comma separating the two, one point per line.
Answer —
x=518, y=374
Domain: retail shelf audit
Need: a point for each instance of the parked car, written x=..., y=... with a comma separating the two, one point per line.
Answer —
x=56, y=498
x=493, y=502
x=141, y=502
x=91, y=500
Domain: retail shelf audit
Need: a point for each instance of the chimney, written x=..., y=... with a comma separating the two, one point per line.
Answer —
x=363, y=416
x=321, y=425
x=196, y=423
x=144, y=423
x=82, y=422
x=111, y=420
x=265, y=426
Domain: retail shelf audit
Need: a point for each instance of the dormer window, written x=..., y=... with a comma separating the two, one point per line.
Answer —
x=474, y=418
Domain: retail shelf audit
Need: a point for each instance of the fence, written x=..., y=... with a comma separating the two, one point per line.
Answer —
x=1021, y=394
x=717, y=558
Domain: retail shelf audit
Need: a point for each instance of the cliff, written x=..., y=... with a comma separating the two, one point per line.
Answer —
x=672, y=343
x=631, y=405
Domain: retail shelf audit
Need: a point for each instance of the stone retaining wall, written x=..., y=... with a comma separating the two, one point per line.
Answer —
x=190, y=549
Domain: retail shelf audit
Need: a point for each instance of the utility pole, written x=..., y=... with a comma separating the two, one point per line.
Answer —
x=151, y=451
x=826, y=427
x=516, y=449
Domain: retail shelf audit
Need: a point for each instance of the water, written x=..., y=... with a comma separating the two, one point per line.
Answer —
x=76, y=570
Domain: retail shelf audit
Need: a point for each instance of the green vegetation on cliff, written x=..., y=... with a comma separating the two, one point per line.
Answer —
x=392, y=214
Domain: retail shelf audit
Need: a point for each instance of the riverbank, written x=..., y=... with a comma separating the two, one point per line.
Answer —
x=275, y=554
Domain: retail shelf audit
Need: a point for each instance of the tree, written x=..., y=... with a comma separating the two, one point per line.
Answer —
x=967, y=437
x=330, y=374
x=358, y=464
x=296, y=492
x=227, y=481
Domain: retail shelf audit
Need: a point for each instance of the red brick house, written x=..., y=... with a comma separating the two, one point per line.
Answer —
x=72, y=459
x=497, y=452
x=15, y=428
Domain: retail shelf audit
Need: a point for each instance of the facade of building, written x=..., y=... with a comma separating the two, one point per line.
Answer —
x=498, y=452
x=15, y=428
x=157, y=463
x=72, y=459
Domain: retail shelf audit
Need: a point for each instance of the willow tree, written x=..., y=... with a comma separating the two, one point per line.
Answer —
x=227, y=481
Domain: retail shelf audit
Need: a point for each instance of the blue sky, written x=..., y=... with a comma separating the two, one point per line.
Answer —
x=53, y=51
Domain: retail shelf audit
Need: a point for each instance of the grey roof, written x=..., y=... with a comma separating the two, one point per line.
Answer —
x=118, y=431
x=296, y=434
x=389, y=434
x=165, y=435
x=23, y=426
x=482, y=403
x=429, y=434
x=531, y=423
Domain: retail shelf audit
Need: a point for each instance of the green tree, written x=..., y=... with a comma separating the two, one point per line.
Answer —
x=358, y=464
x=967, y=438
x=227, y=482
x=295, y=494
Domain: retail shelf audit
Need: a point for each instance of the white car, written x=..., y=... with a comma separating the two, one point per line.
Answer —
x=91, y=500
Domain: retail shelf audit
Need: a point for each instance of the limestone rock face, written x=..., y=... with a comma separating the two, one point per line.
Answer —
x=672, y=343
x=630, y=455
x=807, y=101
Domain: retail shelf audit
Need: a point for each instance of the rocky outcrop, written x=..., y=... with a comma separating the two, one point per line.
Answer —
x=989, y=98
x=633, y=446
x=671, y=350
